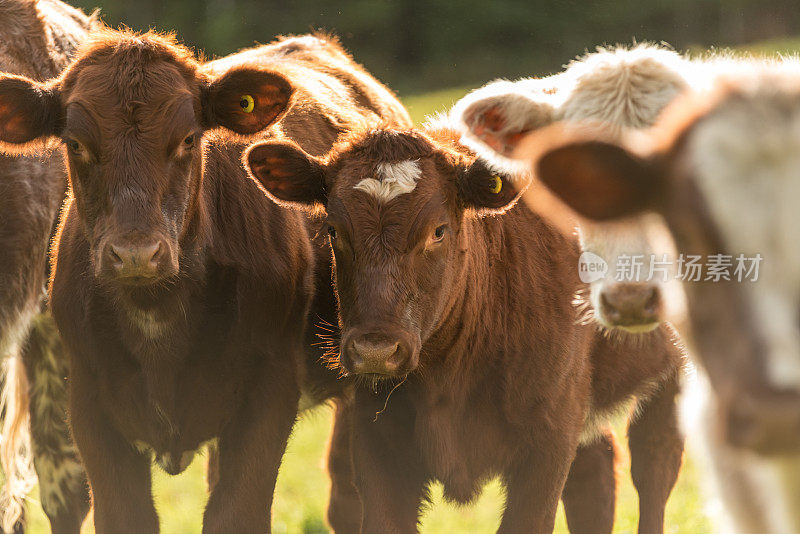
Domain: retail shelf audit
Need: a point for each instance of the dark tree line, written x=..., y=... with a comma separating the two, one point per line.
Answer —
x=416, y=45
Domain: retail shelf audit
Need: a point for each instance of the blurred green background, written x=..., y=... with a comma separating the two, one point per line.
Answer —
x=432, y=52
x=420, y=45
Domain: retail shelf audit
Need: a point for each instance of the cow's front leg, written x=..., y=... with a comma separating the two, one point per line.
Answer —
x=590, y=491
x=119, y=475
x=250, y=452
x=389, y=475
x=344, y=506
x=534, y=484
x=656, y=446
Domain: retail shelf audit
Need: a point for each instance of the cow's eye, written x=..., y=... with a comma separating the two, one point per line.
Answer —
x=75, y=147
x=438, y=234
x=332, y=232
x=189, y=141
x=247, y=103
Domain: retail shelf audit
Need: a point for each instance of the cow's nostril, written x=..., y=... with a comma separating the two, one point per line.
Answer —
x=355, y=360
x=156, y=252
x=653, y=301
x=115, y=254
x=608, y=309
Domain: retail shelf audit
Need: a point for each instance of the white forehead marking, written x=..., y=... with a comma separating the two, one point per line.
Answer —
x=394, y=179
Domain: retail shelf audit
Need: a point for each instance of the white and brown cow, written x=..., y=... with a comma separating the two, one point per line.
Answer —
x=624, y=89
x=722, y=168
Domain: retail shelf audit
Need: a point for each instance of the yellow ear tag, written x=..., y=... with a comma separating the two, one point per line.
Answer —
x=497, y=184
x=247, y=103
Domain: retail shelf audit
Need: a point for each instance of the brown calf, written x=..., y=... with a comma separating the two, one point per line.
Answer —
x=181, y=292
x=460, y=322
x=37, y=39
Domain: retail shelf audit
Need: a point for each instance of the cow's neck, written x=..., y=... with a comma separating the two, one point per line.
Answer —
x=467, y=324
x=157, y=325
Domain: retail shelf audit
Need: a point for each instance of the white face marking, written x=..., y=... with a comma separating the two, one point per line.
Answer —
x=394, y=179
x=746, y=158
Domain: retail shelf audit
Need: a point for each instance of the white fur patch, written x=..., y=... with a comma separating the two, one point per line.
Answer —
x=15, y=443
x=623, y=88
x=394, y=179
x=147, y=323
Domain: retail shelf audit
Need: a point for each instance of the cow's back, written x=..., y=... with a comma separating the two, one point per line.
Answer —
x=37, y=40
x=333, y=93
x=40, y=37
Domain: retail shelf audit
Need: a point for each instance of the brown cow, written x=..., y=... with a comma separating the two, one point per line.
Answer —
x=461, y=324
x=182, y=293
x=37, y=40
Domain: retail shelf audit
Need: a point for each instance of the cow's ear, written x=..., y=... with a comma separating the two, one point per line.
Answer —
x=501, y=114
x=246, y=100
x=29, y=111
x=487, y=191
x=601, y=180
x=288, y=175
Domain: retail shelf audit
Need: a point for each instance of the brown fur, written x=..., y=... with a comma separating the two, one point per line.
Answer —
x=38, y=40
x=204, y=342
x=491, y=373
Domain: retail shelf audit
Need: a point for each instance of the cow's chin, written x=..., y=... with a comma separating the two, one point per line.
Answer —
x=136, y=284
x=638, y=329
x=377, y=382
x=376, y=377
x=633, y=329
x=374, y=380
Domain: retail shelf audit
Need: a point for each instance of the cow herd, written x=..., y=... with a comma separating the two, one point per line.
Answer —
x=231, y=242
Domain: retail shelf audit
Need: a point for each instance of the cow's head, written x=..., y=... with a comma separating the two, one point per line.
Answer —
x=131, y=112
x=621, y=88
x=399, y=206
x=723, y=169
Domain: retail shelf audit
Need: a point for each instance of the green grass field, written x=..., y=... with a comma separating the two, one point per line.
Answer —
x=303, y=485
